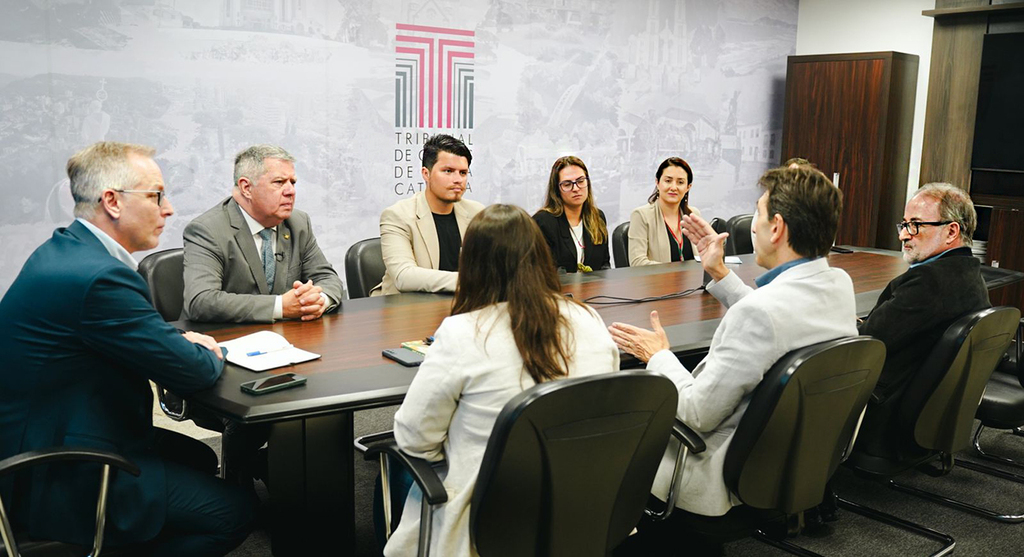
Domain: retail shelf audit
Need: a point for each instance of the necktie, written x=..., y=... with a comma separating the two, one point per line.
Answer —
x=269, y=265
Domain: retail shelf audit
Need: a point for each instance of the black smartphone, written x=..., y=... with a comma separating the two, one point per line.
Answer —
x=838, y=249
x=404, y=356
x=273, y=383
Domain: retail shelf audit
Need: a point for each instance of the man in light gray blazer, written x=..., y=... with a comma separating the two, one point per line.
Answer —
x=253, y=257
x=799, y=301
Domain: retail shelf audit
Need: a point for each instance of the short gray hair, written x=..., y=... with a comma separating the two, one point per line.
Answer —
x=101, y=166
x=249, y=163
x=955, y=205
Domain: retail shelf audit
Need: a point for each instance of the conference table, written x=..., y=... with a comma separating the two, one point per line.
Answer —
x=310, y=450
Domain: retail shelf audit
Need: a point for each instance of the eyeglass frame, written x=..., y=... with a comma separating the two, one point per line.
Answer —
x=160, y=194
x=906, y=225
x=567, y=185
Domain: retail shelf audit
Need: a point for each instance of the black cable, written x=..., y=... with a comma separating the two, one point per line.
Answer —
x=603, y=300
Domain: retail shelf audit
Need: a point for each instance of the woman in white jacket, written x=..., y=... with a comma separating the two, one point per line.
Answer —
x=510, y=328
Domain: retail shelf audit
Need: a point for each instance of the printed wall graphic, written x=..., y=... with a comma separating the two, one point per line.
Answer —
x=353, y=88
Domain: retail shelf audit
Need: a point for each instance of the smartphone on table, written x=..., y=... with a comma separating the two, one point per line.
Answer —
x=273, y=383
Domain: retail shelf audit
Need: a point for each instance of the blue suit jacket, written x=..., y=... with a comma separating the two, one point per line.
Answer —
x=81, y=340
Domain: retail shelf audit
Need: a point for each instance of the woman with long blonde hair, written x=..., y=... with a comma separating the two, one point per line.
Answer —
x=574, y=228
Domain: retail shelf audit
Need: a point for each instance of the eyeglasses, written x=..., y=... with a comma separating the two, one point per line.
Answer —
x=913, y=227
x=148, y=193
x=568, y=185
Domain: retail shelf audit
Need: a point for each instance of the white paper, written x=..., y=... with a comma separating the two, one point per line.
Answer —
x=269, y=350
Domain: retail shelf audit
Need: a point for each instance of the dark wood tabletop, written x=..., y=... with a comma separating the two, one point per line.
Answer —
x=352, y=373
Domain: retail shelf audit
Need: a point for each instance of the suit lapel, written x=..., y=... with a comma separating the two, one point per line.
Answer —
x=246, y=245
x=425, y=224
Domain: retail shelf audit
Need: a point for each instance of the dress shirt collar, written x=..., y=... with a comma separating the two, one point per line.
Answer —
x=770, y=275
x=254, y=227
x=950, y=251
x=115, y=249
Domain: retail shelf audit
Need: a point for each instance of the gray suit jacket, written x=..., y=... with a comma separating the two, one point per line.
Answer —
x=224, y=279
x=806, y=304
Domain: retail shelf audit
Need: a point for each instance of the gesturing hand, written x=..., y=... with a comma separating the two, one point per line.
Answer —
x=710, y=245
x=639, y=342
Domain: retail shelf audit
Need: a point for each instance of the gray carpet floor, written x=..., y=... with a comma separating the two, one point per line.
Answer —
x=852, y=535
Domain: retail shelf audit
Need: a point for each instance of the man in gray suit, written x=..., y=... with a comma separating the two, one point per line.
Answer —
x=253, y=258
x=800, y=301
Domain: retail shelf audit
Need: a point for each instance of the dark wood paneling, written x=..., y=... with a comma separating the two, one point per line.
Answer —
x=1007, y=7
x=853, y=114
x=952, y=95
x=1005, y=250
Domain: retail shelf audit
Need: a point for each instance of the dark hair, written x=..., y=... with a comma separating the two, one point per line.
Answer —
x=673, y=161
x=553, y=204
x=809, y=204
x=799, y=162
x=446, y=143
x=505, y=258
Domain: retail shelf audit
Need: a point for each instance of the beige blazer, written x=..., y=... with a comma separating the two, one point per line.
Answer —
x=408, y=242
x=648, y=242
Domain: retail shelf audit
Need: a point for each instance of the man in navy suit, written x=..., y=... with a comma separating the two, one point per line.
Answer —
x=82, y=341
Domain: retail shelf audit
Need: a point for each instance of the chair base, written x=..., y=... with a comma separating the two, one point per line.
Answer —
x=963, y=505
x=1018, y=431
x=947, y=541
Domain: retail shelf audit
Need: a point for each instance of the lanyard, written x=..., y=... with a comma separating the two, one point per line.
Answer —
x=579, y=242
x=679, y=238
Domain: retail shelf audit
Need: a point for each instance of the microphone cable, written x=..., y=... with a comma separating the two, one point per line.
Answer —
x=602, y=300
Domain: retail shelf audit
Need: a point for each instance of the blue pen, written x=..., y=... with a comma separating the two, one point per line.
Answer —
x=256, y=353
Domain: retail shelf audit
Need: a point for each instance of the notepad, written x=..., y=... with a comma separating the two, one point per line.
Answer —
x=265, y=350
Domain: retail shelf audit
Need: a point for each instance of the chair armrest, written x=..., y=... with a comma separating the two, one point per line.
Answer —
x=372, y=446
x=66, y=454
x=688, y=437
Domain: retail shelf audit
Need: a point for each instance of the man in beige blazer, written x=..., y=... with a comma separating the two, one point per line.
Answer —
x=421, y=237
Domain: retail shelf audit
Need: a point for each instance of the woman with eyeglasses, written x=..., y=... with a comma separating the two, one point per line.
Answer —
x=656, y=229
x=575, y=229
x=510, y=328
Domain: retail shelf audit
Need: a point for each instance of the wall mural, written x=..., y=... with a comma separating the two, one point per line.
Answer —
x=352, y=89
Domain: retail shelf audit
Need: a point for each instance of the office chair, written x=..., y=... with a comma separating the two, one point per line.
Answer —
x=739, y=242
x=937, y=412
x=110, y=462
x=597, y=439
x=800, y=423
x=717, y=224
x=164, y=272
x=364, y=267
x=620, y=245
x=1002, y=407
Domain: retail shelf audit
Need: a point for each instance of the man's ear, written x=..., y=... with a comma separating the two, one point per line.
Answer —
x=778, y=228
x=110, y=203
x=954, y=232
x=245, y=187
x=424, y=172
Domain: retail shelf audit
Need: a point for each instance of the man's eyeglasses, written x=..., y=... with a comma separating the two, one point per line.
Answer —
x=580, y=182
x=149, y=193
x=914, y=226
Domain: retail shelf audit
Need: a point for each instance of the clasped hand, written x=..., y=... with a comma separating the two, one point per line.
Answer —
x=303, y=301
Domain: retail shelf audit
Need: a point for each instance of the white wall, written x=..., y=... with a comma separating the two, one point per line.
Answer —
x=839, y=26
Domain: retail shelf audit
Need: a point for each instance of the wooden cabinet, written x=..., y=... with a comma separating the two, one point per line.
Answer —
x=851, y=115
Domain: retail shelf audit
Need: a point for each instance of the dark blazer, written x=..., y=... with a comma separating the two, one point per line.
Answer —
x=912, y=313
x=563, y=249
x=80, y=344
x=224, y=279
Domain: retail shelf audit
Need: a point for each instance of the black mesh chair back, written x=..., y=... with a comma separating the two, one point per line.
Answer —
x=164, y=273
x=620, y=245
x=942, y=398
x=799, y=422
x=570, y=464
x=739, y=242
x=364, y=267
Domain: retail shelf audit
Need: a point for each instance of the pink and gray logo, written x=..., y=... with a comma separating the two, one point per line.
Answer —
x=433, y=77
